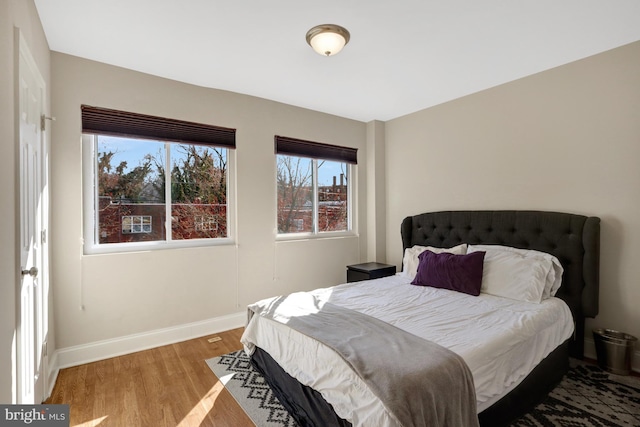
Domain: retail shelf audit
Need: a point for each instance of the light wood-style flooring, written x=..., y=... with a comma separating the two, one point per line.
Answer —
x=164, y=386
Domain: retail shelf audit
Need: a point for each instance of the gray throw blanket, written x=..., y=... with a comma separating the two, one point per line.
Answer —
x=421, y=383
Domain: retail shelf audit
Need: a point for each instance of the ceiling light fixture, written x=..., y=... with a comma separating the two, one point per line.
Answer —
x=328, y=39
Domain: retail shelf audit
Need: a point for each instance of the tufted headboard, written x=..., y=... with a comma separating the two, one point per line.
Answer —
x=573, y=239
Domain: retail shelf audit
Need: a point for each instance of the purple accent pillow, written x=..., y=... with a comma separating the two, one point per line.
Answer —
x=461, y=273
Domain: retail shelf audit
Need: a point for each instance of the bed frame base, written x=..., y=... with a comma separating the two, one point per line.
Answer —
x=531, y=391
x=306, y=405
x=309, y=408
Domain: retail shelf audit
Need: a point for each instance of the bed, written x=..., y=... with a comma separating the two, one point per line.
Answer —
x=572, y=239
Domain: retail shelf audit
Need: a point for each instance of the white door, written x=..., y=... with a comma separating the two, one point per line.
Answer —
x=33, y=289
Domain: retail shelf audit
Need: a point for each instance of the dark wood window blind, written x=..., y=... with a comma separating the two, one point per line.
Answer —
x=316, y=150
x=104, y=121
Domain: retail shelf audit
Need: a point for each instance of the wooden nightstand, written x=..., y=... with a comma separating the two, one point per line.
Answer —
x=369, y=270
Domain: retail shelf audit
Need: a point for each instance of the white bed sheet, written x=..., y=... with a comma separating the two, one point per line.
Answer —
x=501, y=340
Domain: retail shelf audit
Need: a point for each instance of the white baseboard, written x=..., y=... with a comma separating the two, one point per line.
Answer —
x=99, y=350
x=590, y=353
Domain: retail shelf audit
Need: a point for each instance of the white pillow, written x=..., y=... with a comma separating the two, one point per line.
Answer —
x=410, y=260
x=553, y=280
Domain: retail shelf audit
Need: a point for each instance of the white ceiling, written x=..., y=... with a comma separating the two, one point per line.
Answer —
x=404, y=55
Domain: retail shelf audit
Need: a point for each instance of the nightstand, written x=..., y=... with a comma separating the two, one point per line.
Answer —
x=369, y=270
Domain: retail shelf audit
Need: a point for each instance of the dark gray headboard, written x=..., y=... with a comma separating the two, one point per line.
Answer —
x=573, y=239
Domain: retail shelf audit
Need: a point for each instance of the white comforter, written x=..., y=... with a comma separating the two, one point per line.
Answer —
x=501, y=340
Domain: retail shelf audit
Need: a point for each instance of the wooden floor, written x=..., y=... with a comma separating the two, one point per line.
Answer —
x=165, y=386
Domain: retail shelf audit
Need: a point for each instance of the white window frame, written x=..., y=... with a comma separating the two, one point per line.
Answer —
x=315, y=233
x=90, y=200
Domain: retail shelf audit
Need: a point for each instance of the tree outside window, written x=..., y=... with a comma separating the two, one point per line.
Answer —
x=312, y=195
x=132, y=184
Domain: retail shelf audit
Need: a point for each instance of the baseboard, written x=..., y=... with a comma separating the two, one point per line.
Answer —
x=590, y=353
x=99, y=350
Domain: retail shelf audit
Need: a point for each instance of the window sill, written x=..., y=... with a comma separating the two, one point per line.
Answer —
x=116, y=248
x=291, y=237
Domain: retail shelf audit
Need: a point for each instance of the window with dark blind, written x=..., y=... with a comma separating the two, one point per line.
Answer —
x=313, y=186
x=153, y=181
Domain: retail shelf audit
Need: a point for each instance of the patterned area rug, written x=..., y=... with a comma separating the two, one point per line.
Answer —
x=586, y=397
x=589, y=397
x=250, y=390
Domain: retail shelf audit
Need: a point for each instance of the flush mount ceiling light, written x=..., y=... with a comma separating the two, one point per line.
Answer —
x=328, y=39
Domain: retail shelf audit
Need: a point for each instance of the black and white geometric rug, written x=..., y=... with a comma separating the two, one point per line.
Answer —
x=589, y=397
x=586, y=397
x=250, y=390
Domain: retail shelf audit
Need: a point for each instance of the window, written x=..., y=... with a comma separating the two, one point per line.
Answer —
x=206, y=223
x=136, y=224
x=158, y=190
x=313, y=186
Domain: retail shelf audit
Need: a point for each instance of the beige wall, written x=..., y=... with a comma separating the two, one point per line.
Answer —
x=132, y=293
x=376, y=195
x=567, y=139
x=21, y=15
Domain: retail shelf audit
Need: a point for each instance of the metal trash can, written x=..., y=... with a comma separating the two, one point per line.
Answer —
x=614, y=350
